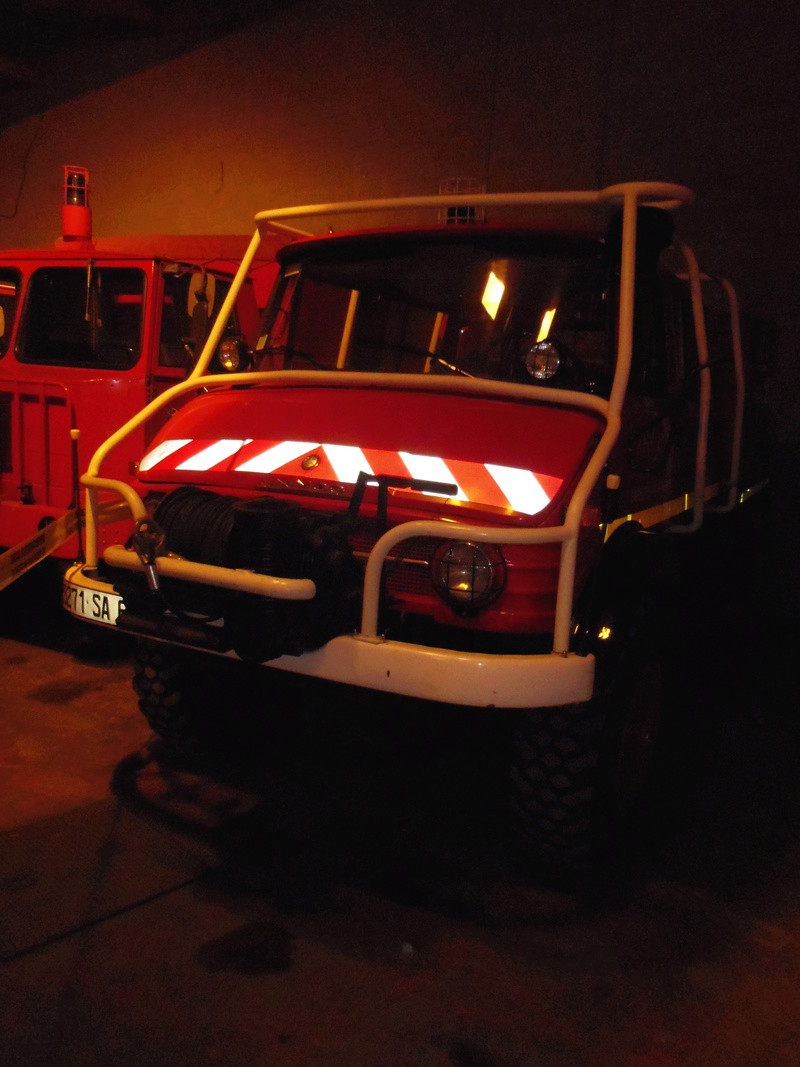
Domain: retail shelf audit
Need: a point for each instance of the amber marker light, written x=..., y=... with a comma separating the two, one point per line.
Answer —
x=547, y=322
x=492, y=294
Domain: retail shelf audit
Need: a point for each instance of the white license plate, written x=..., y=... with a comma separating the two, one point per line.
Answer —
x=93, y=604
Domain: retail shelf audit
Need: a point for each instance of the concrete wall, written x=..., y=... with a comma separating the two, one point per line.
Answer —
x=346, y=98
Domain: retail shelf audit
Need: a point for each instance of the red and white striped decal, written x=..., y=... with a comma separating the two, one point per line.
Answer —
x=162, y=452
x=213, y=455
x=496, y=485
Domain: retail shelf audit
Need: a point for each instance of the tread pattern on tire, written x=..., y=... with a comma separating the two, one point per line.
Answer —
x=163, y=686
x=554, y=780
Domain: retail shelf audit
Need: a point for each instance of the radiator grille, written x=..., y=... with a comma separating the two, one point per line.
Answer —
x=406, y=568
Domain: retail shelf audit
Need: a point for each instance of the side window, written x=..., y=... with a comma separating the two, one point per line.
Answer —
x=317, y=329
x=660, y=416
x=10, y=282
x=6, y=464
x=722, y=413
x=682, y=383
x=650, y=363
x=192, y=300
x=665, y=361
x=274, y=336
x=75, y=316
x=678, y=332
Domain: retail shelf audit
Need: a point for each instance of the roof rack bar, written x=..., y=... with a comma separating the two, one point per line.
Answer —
x=660, y=194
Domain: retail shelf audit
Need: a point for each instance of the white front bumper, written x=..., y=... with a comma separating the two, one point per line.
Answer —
x=444, y=675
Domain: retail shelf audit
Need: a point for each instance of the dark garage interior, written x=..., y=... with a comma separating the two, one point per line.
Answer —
x=333, y=886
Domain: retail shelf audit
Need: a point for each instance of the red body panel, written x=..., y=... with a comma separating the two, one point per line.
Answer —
x=467, y=433
x=216, y=441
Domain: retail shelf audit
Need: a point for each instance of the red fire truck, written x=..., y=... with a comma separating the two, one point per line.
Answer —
x=463, y=463
x=90, y=331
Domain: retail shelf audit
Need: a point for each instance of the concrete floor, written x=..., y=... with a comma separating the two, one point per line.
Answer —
x=338, y=902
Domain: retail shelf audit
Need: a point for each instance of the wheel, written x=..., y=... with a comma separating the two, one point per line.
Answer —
x=169, y=684
x=579, y=772
x=555, y=766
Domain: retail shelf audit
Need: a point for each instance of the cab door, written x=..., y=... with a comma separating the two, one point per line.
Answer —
x=656, y=454
x=83, y=333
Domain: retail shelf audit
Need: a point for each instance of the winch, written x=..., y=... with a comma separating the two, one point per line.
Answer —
x=268, y=536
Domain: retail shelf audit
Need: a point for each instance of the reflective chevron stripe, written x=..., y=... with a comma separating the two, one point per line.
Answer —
x=496, y=485
x=212, y=456
x=659, y=513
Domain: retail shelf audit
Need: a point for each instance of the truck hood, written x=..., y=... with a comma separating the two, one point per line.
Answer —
x=511, y=461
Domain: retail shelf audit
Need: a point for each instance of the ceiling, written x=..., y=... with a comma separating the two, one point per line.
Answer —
x=53, y=50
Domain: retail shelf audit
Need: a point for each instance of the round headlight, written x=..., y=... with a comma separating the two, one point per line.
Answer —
x=234, y=355
x=542, y=361
x=467, y=576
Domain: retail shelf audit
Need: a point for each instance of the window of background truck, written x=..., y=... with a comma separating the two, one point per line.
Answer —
x=183, y=333
x=6, y=464
x=473, y=307
x=10, y=281
x=78, y=317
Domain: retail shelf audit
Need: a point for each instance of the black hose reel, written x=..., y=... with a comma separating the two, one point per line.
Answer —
x=268, y=536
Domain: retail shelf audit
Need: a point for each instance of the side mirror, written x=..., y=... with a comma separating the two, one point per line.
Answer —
x=201, y=291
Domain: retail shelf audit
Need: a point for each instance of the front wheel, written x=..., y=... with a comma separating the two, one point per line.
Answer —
x=554, y=780
x=171, y=685
x=579, y=772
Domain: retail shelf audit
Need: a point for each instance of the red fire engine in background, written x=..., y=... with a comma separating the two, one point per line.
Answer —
x=90, y=331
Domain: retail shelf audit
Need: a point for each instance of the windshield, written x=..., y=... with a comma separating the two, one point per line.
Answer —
x=83, y=317
x=489, y=307
x=9, y=297
x=192, y=300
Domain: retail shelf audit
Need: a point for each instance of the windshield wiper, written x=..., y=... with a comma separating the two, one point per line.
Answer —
x=452, y=367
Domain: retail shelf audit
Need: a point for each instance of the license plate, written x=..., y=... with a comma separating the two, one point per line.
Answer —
x=93, y=604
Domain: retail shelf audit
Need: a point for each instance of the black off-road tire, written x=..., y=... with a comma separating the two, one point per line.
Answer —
x=168, y=682
x=555, y=771
x=579, y=772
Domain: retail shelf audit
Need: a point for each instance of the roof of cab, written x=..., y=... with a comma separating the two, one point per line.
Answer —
x=199, y=249
x=393, y=239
